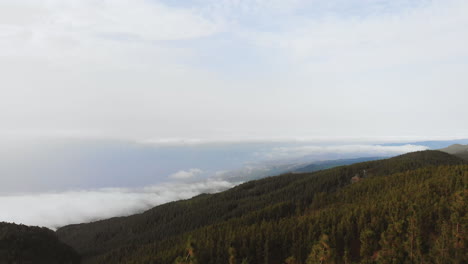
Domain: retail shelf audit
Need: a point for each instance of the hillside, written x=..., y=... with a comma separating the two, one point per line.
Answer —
x=323, y=165
x=25, y=244
x=272, y=168
x=422, y=196
x=458, y=150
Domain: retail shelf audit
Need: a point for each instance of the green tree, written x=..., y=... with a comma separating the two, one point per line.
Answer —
x=368, y=245
x=346, y=256
x=190, y=257
x=459, y=220
x=245, y=261
x=232, y=255
x=392, y=249
x=291, y=260
x=321, y=252
x=441, y=249
x=413, y=244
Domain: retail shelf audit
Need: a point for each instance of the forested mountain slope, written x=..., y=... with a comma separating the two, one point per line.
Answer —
x=458, y=150
x=24, y=244
x=323, y=165
x=261, y=171
x=417, y=211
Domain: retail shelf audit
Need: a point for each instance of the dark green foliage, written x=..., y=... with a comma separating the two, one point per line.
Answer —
x=463, y=155
x=323, y=165
x=321, y=252
x=408, y=209
x=25, y=244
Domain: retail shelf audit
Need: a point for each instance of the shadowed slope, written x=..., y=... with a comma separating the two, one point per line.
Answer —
x=26, y=244
x=458, y=150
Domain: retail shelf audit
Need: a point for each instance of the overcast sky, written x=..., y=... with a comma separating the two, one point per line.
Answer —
x=133, y=98
x=233, y=69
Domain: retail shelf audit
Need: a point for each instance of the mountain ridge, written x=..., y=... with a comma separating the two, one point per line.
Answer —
x=269, y=199
x=458, y=150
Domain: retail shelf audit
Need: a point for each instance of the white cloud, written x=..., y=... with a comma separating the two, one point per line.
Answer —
x=343, y=45
x=144, y=70
x=186, y=174
x=54, y=210
x=341, y=150
x=147, y=20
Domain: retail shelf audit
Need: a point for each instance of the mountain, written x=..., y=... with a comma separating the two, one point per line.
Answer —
x=25, y=244
x=322, y=165
x=432, y=144
x=457, y=150
x=406, y=209
x=262, y=170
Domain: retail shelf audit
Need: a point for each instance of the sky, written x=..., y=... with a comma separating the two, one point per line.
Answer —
x=63, y=165
x=149, y=70
x=149, y=101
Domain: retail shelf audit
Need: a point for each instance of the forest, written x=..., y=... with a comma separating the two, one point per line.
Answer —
x=407, y=209
x=20, y=244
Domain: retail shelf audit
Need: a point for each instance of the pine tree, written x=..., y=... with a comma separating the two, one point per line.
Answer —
x=321, y=252
x=267, y=251
x=368, y=245
x=245, y=261
x=413, y=243
x=346, y=256
x=392, y=251
x=291, y=260
x=441, y=249
x=232, y=255
x=459, y=220
x=190, y=257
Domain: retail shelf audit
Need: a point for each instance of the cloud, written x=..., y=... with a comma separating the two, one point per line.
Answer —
x=337, y=151
x=376, y=40
x=144, y=70
x=116, y=19
x=186, y=174
x=54, y=210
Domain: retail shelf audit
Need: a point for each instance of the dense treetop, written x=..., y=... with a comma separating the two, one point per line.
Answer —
x=25, y=244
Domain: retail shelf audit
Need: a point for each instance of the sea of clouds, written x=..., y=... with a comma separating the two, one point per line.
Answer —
x=54, y=186
x=54, y=210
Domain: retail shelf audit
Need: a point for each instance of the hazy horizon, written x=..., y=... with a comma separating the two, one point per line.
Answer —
x=79, y=181
x=149, y=101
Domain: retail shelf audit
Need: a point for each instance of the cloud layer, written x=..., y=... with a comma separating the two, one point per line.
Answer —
x=157, y=69
x=54, y=210
x=186, y=174
x=338, y=151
